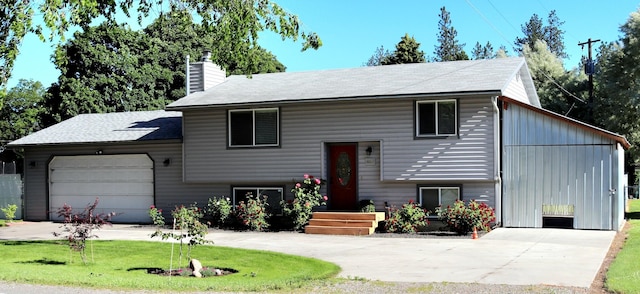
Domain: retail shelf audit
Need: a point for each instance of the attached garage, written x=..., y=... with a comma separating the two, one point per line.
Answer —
x=558, y=170
x=123, y=183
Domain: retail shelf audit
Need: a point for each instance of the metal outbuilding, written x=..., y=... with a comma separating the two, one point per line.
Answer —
x=555, y=167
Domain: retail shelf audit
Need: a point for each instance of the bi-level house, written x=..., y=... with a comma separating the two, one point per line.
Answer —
x=431, y=132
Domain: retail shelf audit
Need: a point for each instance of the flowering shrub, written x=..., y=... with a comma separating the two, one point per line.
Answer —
x=156, y=216
x=79, y=226
x=187, y=221
x=306, y=196
x=218, y=211
x=253, y=213
x=408, y=219
x=463, y=219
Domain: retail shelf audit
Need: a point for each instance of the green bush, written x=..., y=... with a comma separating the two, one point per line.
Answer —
x=253, y=214
x=463, y=219
x=218, y=212
x=186, y=221
x=367, y=206
x=306, y=196
x=10, y=212
x=408, y=219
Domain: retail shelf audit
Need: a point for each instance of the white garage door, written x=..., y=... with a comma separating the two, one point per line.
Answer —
x=123, y=184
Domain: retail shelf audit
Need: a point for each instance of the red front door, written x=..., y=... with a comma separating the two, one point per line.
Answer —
x=342, y=177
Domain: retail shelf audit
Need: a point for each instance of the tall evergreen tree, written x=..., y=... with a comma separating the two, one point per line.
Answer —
x=551, y=34
x=483, y=52
x=407, y=51
x=448, y=47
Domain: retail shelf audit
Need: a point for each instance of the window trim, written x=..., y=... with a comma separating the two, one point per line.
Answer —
x=257, y=188
x=439, y=187
x=416, y=116
x=253, y=113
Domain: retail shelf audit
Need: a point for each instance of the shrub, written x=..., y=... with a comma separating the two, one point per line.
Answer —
x=218, y=211
x=463, y=219
x=10, y=212
x=408, y=219
x=367, y=206
x=79, y=227
x=187, y=221
x=306, y=196
x=253, y=214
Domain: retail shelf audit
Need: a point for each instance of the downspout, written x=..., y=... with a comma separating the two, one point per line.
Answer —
x=187, y=82
x=188, y=77
x=497, y=161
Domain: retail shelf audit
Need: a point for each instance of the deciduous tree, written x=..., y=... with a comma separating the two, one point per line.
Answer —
x=21, y=110
x=617, y=88
x=378, y=56
x=232, y=23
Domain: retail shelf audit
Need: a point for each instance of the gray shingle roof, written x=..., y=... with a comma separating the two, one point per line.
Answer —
x=489, y=75
x=109, y=127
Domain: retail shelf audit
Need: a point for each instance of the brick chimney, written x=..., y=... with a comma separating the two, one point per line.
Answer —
x=203, y=74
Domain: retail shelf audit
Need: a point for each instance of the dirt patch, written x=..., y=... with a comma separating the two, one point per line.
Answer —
x=187, y=272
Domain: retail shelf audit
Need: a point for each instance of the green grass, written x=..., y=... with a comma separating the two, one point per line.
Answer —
x=623, y=275
x=123, y=265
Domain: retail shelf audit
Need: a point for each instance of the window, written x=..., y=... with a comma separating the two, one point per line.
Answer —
x=274, y=196
x=253, y=127
x=432, y=197
x=436, y=118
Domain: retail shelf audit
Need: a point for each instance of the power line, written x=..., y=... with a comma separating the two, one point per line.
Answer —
x=503, y=17
x=487, y=21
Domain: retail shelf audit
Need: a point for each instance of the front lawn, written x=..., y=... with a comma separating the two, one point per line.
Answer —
x=623, y=275
x=124, y=264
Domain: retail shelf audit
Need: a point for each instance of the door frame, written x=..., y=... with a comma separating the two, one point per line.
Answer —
x=327, y=167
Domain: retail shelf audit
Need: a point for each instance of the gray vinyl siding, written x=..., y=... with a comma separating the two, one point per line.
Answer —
x=169, y=189
x=306, y=127
x=547, y=161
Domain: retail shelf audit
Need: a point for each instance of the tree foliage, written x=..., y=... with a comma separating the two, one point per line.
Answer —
x=21, y=110
x=111, y=68
x=554, y=84
x=551, y=34
x=234, y=25
x=617, y=88
x=378, y=56
x=407, y=51
x=448, y=48
x=483, y=52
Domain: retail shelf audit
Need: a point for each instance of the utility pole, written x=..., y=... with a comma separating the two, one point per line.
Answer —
x=589, y=68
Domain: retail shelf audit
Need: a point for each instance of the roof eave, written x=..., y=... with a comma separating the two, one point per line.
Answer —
x=613, y=136
x=496, y=92
x=95, y=143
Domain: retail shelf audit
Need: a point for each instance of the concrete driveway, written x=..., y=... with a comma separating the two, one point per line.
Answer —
x=503, y=256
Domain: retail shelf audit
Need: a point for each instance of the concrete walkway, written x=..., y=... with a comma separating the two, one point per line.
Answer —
x=503, y=256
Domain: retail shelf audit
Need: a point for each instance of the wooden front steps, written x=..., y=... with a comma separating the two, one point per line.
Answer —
x=344, y=223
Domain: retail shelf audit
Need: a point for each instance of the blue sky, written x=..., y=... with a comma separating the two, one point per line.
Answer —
x=351, y=30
